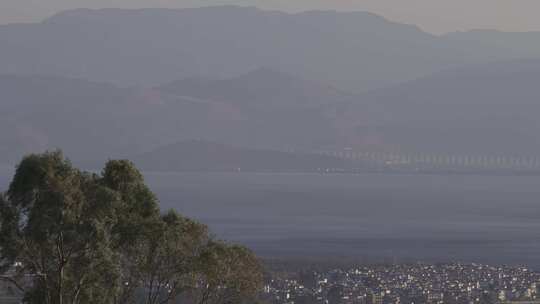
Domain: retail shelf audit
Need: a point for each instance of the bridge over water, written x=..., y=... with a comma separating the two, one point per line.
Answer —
x=432, y=160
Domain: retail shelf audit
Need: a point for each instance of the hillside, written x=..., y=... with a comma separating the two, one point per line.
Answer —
x=82, y=117
x=41, y=112
x=208, y=156
x=484, y=109
x=489, y=109
x=260, y=88
x=352, y=51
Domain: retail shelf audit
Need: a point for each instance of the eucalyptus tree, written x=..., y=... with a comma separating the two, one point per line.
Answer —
x=73, y=237
x=171, y=255
x=55, y=224
x=228, y=274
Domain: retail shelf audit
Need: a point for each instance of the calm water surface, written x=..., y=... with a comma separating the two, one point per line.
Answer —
x=490, y=219
x=422, y=217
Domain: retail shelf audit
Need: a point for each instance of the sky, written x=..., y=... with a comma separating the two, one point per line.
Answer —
x=436, y=16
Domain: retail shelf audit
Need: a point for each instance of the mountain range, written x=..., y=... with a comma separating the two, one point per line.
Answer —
x=91, y=120
x=483, y=109
x=197, y=155
x=128, y=83
x=355, y=51
x=489, y=109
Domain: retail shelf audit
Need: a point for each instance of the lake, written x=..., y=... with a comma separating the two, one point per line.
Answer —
x=488, y=219
x=492, y=219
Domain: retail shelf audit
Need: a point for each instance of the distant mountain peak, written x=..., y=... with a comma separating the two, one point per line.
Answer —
x=269, y=76
x=352, y=14
x=80, y=14
x=262, y=86
x=353, y=51
x=202, y=155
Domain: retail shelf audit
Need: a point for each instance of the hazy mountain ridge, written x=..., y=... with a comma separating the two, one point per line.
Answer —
x=484, y=109
x=43, y=112
x=264, y=80
x=526, y=44
x=93, y=120
x=481, y=109
x=352, y=51
x=199, y=155
x=260, y=88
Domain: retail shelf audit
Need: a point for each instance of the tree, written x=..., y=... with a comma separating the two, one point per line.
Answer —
x=55, y=223
x=228, y=274
x=137, y=222
x=72, y=237
x=171, y=254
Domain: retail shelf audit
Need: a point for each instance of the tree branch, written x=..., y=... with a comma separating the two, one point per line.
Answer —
x=13, y=281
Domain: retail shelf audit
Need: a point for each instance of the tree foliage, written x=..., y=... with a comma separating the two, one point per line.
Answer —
x=228, y=274
x=68, y=236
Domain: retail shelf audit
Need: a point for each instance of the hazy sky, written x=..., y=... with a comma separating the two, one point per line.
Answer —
x=432, y=15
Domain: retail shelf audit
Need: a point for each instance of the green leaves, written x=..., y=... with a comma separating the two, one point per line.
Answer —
x=35, y=173
x=58, y=221
x=228, y=274
x=9, y=234
x=87, y=238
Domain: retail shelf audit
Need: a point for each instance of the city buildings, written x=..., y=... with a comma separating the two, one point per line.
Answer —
x=411, y=283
